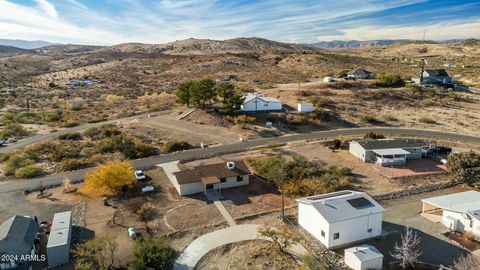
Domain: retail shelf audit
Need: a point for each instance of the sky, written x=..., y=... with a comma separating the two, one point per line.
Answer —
x=111, y=22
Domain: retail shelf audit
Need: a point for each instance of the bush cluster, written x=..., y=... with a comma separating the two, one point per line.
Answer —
x=174, y=146
x=389, y=80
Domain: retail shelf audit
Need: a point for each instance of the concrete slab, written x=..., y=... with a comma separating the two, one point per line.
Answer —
x=225, y=213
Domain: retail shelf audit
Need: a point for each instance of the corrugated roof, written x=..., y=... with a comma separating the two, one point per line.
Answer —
x=391, y=151
x=336, y=207
x=437, y=72
x=359, y=71
x=463, y=202
x=371, y=144
x=365, y=253
x=219, y=170
x=17, y=234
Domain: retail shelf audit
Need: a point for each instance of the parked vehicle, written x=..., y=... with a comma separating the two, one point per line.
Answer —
x=132, y=232
x=439, y=150
x=140, y=175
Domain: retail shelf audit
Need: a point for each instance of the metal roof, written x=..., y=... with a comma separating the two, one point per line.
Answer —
x=336, y=207
x=17, y=234
x=61, y=229
x=251, y=96
x=463, y=202
x=391, y=152
x=371, y=144
x=365, y=253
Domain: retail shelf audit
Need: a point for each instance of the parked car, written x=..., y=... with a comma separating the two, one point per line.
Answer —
x=439, y=150
x=140, y=175
x=132, y=232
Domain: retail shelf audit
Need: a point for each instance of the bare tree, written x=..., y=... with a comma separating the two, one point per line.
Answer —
x=283, y=237
x=468, y=262
x=406, y=252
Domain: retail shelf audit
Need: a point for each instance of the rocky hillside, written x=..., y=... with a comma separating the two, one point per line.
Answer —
x=6, y=51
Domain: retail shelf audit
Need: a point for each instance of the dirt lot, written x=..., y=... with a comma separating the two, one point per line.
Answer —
x=257, y=254
x=413, y=168
x=366, y=178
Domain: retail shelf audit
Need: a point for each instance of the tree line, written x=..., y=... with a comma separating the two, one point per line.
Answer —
x=201, y=93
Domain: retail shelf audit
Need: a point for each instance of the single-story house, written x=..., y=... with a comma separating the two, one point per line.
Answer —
x=459, y=211
x=359, y=73
x=17, y=239
x=328, y=79
x=387, y=152
x=364, y=257
x=60, y=239
x=208, y=177
x=340, y=218
x=255, y=102
x=79, y=82
x=305, y=107
x=434, y=76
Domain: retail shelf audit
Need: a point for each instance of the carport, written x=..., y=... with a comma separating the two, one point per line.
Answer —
x=391, y=157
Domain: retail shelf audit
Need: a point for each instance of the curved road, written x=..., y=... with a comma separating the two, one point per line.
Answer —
x=145, y=163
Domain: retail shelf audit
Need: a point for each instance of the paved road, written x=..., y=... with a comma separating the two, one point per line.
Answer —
x=205, y=243
x=145, y=163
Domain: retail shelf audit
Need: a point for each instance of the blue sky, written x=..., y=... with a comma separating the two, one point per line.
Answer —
x=302, y=21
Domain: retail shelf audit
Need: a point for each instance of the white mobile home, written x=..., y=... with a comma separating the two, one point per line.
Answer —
x=364, y=257
x=387, y=152
x=305, y=107
x=458, y=212
x=60, y=239
x=328, y=79
x=340, y=218
x=254, y=102
x=206, y=178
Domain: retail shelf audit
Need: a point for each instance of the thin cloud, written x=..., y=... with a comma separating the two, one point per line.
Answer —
x=47, y=7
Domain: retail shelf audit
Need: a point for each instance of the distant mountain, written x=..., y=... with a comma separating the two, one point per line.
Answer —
x=25, y=44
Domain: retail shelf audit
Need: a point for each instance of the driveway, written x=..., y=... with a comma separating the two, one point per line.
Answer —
x=205, y=243
x=77, y=176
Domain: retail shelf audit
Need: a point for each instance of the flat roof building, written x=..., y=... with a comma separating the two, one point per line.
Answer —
x=387, y=152
x=59, y=240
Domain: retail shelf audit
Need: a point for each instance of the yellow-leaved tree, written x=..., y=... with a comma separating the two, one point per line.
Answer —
x=109, y=179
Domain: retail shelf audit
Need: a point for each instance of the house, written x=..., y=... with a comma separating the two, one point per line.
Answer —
x=255, y=102
x=204, y=178
x=434, y=76
x=359, y=73
x=60, y=239
x=364, y=257
x=79, y=82
x=387, y=152
x=340, y=218
x=305, y=107
x=328, y=79
x=17, y=240
x=458, y=212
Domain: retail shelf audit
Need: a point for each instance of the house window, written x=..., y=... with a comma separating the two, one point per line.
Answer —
x=209, y=186
x=369, y=230
x=223, y=180
x=239, y=178
x=336, y=236
x=322, y=233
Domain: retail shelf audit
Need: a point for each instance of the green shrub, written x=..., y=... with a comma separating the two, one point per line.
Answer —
x=465, y=167
x=63, y=152
x=426, y=120
x=53, y=116
x=368, y=119
x=73, y=164
x=389, y=80
x=15, y=162
x=29, y=171
x=452, y=95
x=75, y=136
x=143, y=150
x=120, y=143
x=373, y=135
x=244, y=119
x=28, y=118
x=13, y=130
x=174, y=146
x=152, y=253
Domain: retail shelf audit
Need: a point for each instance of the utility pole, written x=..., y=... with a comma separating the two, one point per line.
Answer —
x=423, y=69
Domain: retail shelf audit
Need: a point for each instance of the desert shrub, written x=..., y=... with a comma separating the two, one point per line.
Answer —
x=244, y=119
x=71, y=164
x=368, y=119
x=174, y=146
x=27, y=118
x=53, y=116
x=465, y=167
x=426, y=120
x=29, y=171
x=62, y=152
x=143, y=150
x=14, y=162
x=74, y=136
x=152, y=253
x=321, y=102
x=390, y=118
x=321, y=114
x=120, y=143
x=35, y=151
x=389, y=80
x=283, y=237
x=114, y=99
x=70, y=123
x=452, y=95
x=97, y=253
x=467, y=262
x=8, y=117
x=373, y=135
x=109, y=179
x=13, y=130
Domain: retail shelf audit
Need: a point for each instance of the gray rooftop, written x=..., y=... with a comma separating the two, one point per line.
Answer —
x=343, y=205
x=462, y=202
x=365, y=253
x=17, y=235
x=372, y=144
x=60, y=231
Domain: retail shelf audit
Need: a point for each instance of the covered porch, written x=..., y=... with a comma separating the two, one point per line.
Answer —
x=391, y=157
x=212, y=188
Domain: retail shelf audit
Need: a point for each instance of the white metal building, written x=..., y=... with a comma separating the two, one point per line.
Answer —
x=305, y=107
x=340, y=218
x=59, y=240
x=254, y=102
x=206, y=178
x=364, y=257
x=459, y=211
x=387, y=152
x=328, y=79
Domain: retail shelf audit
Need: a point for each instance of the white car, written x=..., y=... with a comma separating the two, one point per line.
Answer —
x=132, y=232
x=139, y=175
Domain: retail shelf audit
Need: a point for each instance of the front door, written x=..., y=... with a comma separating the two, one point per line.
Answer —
x=209, y=186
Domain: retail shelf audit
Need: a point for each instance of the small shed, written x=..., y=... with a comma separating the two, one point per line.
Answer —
x=59, y=240
x=363, y=257
x=305, y=107
x=328, y=79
